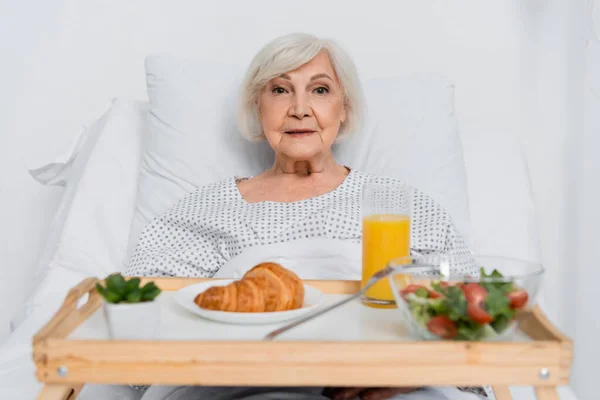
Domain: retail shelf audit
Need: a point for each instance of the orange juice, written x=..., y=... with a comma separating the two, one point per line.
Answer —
x=385, y=237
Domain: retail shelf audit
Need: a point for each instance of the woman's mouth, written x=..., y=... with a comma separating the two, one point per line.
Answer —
x=299, y=132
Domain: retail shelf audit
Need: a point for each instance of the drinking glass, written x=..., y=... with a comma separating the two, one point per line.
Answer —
x=386, y=223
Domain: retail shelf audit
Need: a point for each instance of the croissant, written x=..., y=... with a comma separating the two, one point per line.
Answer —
x=267, y=287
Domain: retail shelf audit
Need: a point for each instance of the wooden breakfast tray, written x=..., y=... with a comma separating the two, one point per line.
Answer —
x=350, y=346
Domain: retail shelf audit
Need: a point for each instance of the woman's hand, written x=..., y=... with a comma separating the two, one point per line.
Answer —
x=364, y=393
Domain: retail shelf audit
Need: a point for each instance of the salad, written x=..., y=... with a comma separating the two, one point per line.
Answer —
x=465, y=311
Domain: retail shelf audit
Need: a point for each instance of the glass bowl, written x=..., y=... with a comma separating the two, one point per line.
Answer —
x=439, y=301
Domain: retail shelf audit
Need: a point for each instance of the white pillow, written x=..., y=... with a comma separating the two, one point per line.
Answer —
x=192, y=138
x=68, y=166
x=93, y=221
x=67, y=170
x=412, y=135
x=93, y=240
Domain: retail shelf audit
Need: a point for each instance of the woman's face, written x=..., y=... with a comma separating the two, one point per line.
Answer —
x=301, y=111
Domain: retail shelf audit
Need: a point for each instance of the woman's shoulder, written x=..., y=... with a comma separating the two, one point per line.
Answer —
x=421, y=198
x=428, y=214
x=217, y=192
x=365, y=177
x=221, y=188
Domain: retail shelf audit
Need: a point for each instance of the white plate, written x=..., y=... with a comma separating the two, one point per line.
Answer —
x=185, y=298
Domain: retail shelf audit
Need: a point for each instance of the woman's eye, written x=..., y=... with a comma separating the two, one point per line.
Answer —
x=278, y=90
x=321, y=90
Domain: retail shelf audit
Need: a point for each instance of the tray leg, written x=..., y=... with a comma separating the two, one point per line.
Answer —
x=546, y=393
x=502, y=393
x=59, y=392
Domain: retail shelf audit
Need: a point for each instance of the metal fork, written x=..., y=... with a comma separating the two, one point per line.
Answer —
x=384, y=273
x=374, y=279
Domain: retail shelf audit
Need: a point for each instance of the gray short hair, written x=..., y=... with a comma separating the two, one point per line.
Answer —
x=285, y=54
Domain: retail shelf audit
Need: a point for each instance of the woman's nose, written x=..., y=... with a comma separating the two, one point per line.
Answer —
x=300, y=107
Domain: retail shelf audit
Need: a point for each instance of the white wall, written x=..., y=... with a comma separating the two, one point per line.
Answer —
x=580, y=312
x=513, y=62
x=68, y=57
x=552, y=65
x=26, y=207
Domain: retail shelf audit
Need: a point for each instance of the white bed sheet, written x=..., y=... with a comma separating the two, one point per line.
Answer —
x=17, y=370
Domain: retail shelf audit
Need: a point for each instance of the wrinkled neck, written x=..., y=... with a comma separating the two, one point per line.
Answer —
x=322, y=164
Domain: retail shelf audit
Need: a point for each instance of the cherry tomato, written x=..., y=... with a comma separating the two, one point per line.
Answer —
x=410, y=289
x=478, y=314
x=442, y=326
x=434, y=295
x=475, y=293
x=518, y=298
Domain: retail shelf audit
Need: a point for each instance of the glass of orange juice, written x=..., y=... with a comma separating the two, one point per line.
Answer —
x=386, y=222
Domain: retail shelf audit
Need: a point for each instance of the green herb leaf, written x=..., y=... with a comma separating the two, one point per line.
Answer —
x=112, y=297
x=504, y=287
x=419, y=311
x=100, y=289
x=469, y=332
x=437, y=287
x=149, y=287
x=107, y=294
x=501, y=323
x=132, y=284
x=134, y=296
x=456, y=303
x=422, y=292
x=116, y=284
x=498, y=305
x=150, y=294
x=118, y=289
x=438, y=306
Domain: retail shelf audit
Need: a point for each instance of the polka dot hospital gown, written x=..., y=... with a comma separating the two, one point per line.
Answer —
x=214, y=223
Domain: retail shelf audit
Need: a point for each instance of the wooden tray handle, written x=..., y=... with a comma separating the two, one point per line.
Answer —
x=536, y=325
x=69, y=315
x=549, y=326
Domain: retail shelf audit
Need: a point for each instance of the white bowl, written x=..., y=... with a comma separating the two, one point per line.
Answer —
x=132, y=321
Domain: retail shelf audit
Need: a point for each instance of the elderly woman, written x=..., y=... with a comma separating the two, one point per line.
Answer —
x=301, y=94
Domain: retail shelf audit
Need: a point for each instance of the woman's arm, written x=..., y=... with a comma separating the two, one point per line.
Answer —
x=146, y=261
x=455, y=245
x=434, y=231
x=174, y=244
